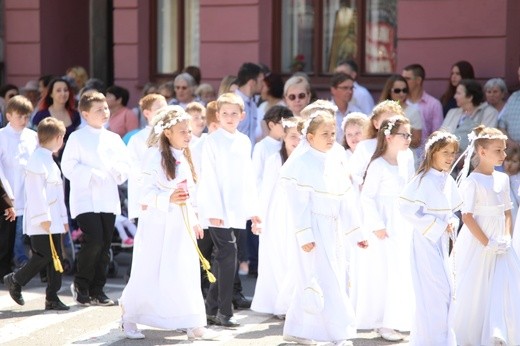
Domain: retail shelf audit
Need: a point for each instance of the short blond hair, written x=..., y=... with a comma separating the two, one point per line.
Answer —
x=146, y=102
x=230, y=99
x=88, y=99
x=195, y=107
x=50, y=128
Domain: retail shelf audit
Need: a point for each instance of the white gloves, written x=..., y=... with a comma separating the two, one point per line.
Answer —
x=499, y=246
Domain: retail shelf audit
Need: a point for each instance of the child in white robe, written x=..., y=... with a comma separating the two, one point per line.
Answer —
x=384, y=298
x=365, y=148
x=137, y=148
x=45, y=215
x=428, y=202
x=275, y=259
x=320, y=199
x=164, y=287
x=486, y=270
x=353, y=126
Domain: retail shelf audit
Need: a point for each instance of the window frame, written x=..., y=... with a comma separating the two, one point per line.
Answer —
x=155, y=75
x=321, y=80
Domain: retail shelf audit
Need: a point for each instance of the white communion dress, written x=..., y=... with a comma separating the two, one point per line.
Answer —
x=429, y=202
x=319, y=201
x=164, y=287
x=487, y=284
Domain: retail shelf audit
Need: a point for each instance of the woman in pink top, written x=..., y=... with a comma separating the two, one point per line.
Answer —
x=122, y=119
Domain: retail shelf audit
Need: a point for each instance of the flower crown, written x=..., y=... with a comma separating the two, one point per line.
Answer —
x=388, y=129
x=180, y=115
x=436, y=138
x=307, y=123
x=288, y=124
x=472, y=136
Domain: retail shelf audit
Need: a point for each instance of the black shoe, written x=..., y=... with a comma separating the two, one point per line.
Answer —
x=222, y=320
x=212, y=320
x=15, y=290
x=101, y=299
x=79, y=296
x=55, y=305
x=227, y=321
x=241, y=302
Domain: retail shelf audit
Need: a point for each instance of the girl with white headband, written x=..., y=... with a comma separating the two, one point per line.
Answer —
x=486, y=270
x=164, y=287
x=429, y=202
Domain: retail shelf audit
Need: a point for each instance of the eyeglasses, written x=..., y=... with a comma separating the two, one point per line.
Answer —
x=406, y=136
x=300, y=96
x=181, y=87
x=398, y=90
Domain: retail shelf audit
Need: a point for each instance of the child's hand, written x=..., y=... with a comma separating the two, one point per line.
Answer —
x=144, y=207
x=179, y=196
x=449, y=229
x=256, y=226
x=46, y=225
x=66, y=227
x=10, y=214
x=199, y=232
x=216, y=222
x=381, y=234
x=363, y=244
x=308, y=247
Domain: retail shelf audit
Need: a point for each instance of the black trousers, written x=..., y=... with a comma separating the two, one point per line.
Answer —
x=206, y=247
x=42, y=259
x=94, y=256
x=7, y=236
x=220, y=294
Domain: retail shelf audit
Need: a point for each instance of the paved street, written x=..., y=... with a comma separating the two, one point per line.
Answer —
x=32, y=325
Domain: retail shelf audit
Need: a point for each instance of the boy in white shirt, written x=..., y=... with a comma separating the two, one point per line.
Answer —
x=137, y=148
x=17, y=143
x=226, y=199
x=45, y=214
x=95, y=161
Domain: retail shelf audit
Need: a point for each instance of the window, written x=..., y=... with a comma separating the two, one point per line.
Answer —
x=177, y=35
x=317, y=34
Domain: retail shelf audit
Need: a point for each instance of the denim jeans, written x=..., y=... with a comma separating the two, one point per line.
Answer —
x=20, y=251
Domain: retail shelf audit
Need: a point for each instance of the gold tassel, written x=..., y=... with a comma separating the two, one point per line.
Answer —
x=203, y=261
x=55, y=258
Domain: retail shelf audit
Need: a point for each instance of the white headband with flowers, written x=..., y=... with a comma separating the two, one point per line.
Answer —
x=439, y=136
x=468, y=153
x=180, y=115
x=288, y=124
x=307, y=123
x=388, y=128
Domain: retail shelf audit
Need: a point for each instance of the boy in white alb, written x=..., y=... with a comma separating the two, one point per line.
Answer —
x=17, y=143
x=45, y=215
x=137, y=148
x=226, y=199
x=95, y=161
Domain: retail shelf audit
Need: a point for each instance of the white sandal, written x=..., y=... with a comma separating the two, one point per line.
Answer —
x=202, y=333
x=131, y=332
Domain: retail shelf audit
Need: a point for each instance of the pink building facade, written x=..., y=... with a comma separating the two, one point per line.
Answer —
x=46, y=37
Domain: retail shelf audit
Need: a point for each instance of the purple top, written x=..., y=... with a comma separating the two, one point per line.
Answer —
x=76, y=121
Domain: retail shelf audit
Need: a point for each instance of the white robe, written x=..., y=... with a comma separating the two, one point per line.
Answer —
x=137, y=148
x=95, y=161
x=320, y=199
x=487, y=285
x=164, y=287
x=275, y=283
x=382, y=288
x=15, y=149
x=227, y=186
x=44, y=194
x=428, y=203
x=262, y=150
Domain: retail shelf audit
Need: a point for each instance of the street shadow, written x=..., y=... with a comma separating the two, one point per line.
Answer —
x=152, y=337
x=8, y=314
